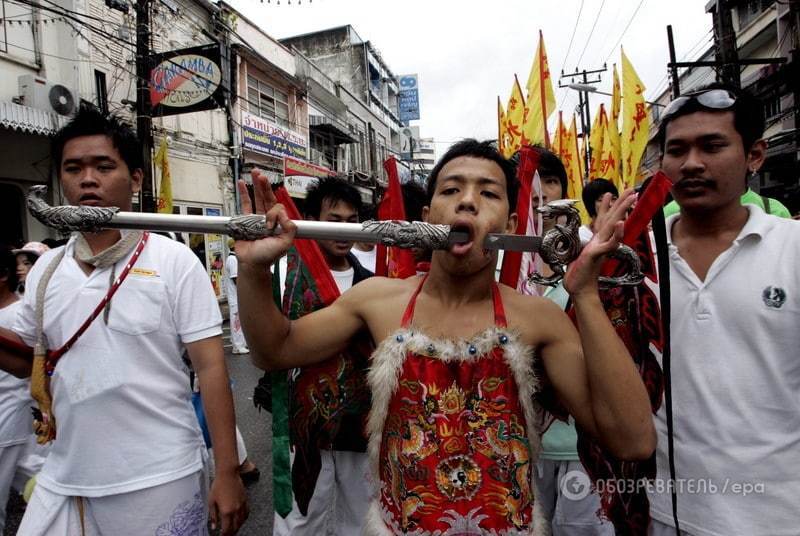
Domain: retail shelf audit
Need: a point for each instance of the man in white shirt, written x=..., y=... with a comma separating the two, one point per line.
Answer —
x=734, y=331
x=231, y=271
x=329, y=453
x=122, y=389
x=15, y=422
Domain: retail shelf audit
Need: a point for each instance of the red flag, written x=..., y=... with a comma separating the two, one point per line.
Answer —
x=310, y=253
x=393, y=262
x=512, y=260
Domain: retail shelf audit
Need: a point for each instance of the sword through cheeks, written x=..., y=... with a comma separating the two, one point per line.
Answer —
x=558, y=247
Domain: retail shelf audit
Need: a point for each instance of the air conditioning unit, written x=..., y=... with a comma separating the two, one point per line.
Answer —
x=39, y=93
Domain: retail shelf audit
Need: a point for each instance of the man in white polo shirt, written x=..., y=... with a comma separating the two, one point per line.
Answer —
x=735, y=314
x=128, y=456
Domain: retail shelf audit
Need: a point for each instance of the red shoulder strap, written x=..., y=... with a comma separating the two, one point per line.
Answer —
x=408, y=316
x=499, y=310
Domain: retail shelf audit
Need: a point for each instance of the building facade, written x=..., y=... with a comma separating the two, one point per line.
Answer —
x=764, y=29
x=367, y=87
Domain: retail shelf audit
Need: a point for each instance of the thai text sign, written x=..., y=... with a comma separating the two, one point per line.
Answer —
x=187, y=80
x=266, y=137
x=293, y=167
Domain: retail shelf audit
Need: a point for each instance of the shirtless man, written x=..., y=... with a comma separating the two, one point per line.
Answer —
x=457, y=446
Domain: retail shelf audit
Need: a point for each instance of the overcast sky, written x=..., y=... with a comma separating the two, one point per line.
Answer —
x=466, y=52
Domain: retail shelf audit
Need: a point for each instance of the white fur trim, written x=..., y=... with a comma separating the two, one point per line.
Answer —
x=383, y=378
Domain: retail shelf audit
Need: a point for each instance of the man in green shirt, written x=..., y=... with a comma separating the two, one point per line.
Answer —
x=768, y=204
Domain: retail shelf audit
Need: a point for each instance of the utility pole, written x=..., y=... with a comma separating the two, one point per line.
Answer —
x=144, y=118
x=676, y=84
x=725, y=43
x=583, y=104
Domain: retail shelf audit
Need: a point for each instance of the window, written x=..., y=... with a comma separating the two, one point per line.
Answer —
x=749, y=10
x=772, y=107
x=267, y=102
x=102, y=91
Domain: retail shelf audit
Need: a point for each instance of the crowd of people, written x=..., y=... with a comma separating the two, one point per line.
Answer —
x=417, y=405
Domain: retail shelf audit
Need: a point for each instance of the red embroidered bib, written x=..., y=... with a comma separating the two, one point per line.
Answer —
x=451, y=432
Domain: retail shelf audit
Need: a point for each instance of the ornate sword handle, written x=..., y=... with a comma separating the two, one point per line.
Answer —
x=67, y=219
x=561, y=245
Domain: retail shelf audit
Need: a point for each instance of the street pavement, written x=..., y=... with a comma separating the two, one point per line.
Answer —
x=256, y=429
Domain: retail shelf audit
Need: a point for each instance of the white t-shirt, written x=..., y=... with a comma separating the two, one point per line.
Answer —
x=344, y=279
x=231, y=272
x=585, y=233
x=736, y=387
x=121, y=395
x=16, y=422
x=366, y=258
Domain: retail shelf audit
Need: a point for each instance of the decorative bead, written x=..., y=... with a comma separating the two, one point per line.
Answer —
x=503, y=339
x=399, y=338
x=472, y=349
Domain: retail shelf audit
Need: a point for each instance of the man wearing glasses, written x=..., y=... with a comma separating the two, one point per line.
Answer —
x=735, y=308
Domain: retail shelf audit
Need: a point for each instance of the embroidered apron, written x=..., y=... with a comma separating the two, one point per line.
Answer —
x=452, y=431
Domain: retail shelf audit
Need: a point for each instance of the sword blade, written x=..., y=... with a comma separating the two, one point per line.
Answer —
x=512, y=242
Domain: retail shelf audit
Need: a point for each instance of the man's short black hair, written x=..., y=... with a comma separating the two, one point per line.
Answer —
x=748, y=114
x=550, y=165
x=8, y=267
x=333, y=190
x=89, y=121
x=594, y=191
x=477, y=149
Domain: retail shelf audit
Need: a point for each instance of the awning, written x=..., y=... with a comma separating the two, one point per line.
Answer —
x=32, y=120
x=328, y=125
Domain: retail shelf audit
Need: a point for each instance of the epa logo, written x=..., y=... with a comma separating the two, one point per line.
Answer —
x=575, y=485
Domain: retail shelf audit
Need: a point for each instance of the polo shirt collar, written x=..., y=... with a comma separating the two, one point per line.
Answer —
x=758, y=223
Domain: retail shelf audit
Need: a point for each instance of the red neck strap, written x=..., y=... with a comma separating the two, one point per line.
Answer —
x=54, y=355
x=497, y=303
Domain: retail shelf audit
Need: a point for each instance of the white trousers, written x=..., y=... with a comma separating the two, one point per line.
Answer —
x=237, y=335
x=9, y=457
x=657, y=528
x=340, y=501
x=178, y=507
x=566, y=498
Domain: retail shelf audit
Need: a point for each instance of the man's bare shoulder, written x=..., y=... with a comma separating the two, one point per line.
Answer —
x=533, y=316
x=380, y=302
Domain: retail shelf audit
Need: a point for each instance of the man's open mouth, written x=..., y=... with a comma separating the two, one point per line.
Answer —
x=89, y=199
x=462, y=248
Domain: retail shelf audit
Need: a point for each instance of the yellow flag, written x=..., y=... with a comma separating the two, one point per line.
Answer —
x=515, y=117
x=635, y=123
x=613, y=155
x=501, y=128
x=597, y=141
x=541, y=99
x=165, y=188
x=568, y=150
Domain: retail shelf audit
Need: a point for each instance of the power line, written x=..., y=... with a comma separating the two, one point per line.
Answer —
x=591, y=32
x=633, y=16
x=68, y=16
x=572, y=38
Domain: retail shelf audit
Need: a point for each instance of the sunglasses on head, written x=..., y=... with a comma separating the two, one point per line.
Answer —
x=715, y=99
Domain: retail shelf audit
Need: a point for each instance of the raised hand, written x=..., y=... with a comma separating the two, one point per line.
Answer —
x=582, y=274
x=266, y=250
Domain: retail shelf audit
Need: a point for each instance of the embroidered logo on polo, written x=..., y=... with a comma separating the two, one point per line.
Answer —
x=774, y=297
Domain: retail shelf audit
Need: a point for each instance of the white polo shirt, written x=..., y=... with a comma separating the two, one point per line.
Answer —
x=736, y=387
x=121, y=395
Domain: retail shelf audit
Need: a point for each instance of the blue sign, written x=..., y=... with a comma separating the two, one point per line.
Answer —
x=266, y=137
x=408, y=98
